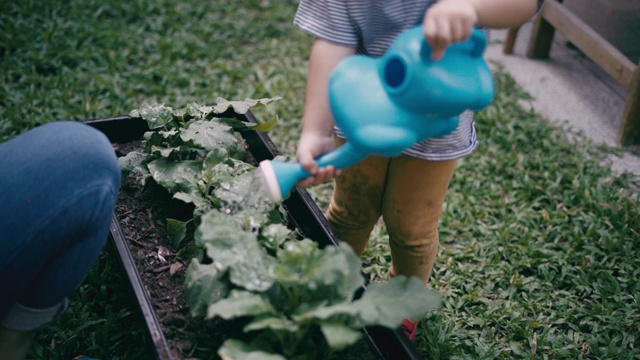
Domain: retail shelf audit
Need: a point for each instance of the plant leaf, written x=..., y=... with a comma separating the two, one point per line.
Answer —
x=239, y=125
x=166, y=152
x=384, y=304
x=132, y=160
x=274, y=235
x=339, y=336
x=197, y=111
x=332, y=273
x=211, y=135
x=203, y=285
x=240, y=304
x=177, y=230
x=229, y=245
x=387, y=304
x=241, y=107
x=273, y=323
x=134, y=168
x=176, y=176
x=266, y=126
x=237, y=350
x=156, y=115
x=202, y=205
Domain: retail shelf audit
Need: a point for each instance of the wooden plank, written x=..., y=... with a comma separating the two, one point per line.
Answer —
x=541, y=36
x=616, y=21
x=510, y=41
x=610, y=59
x=629, y=130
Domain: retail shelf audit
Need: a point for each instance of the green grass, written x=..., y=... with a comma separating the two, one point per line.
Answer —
x=539, y=241
x=86, y=59
x=539, y=257
x=103, y=319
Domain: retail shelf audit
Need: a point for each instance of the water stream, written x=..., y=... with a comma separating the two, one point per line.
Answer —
x=246, y=196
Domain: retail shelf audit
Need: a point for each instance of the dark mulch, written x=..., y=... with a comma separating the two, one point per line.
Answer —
x=142, y=212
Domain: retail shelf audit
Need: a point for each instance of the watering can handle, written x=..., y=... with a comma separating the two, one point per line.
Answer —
x=341, y=157
x=479, y=41
x=477, y=38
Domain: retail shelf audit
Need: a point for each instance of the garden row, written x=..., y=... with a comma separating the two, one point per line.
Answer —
x=217, y=272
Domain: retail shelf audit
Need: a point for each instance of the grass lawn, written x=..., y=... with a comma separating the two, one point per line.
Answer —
x=539, y=256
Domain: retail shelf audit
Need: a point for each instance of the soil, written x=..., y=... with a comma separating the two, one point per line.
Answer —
x=142, y=211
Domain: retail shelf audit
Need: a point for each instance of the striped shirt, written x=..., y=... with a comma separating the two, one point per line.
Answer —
x=370, y=26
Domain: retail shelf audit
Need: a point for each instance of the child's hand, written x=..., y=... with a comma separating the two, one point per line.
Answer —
x=312, y=145
x=447, y=22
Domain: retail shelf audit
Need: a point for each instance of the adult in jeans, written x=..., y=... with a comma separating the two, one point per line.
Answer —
x=58, y=187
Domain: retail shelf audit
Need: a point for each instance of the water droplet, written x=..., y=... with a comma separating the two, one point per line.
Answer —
x=246, y=195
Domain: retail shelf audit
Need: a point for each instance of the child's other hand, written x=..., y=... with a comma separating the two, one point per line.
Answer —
x=311, y=146
x=447, y=22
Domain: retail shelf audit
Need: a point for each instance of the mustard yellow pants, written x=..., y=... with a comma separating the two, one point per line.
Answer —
x=408, y=193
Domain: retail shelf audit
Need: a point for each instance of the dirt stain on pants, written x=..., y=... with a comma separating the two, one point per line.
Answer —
x=407, y=193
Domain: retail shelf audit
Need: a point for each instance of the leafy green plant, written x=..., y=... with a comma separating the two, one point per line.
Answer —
x=297, y=297
x=190, y=152
x=296, y=300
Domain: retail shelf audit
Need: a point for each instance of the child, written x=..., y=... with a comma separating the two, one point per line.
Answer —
x=407, y=191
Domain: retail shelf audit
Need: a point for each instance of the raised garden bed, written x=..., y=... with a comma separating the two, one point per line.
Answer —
x=138, y=232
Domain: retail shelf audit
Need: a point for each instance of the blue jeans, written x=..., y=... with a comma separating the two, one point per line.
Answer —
x=58, y=187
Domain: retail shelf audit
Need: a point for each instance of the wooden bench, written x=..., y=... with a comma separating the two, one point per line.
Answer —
x=555, y=16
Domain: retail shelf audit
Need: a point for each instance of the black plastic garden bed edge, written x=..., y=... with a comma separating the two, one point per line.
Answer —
x=302, y=212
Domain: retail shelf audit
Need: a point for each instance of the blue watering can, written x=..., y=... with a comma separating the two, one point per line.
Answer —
x=385, y=105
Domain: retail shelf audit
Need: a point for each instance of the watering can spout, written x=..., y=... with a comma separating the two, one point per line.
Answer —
x=281, y=177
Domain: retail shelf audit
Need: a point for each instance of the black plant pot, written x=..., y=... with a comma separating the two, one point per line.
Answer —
x=302, y=213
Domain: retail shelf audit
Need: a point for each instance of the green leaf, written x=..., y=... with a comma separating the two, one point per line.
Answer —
x=177, y=230
x=156, y=115
x=224, y=175
x=132, y=160
x=339, y=336
x=265, y=126
x=241, y=107
x=151, y=139
x=277, y=323
x=212, y=135
x=240, y=304
x=214, y=157
x=176, y=176
x=239, y=125
x=274, y=235
x=168, y=134
x=237, y=350
x=197, y=111
x=384, y=304
x=347, y=312
x=332, y=272
x=134, y=167
x=387, y=304
x=202, y=204
x=167, y=152
x=230, y=246
x=235, y=186
x=214, y=226
x=203, y=286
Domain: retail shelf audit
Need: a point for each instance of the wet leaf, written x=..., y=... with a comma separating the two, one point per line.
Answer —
x=241, y=107
x=237, y=350
x=240, y=304
x=204, y=284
